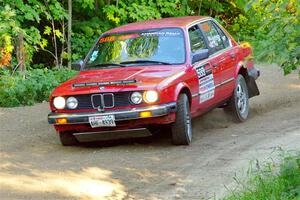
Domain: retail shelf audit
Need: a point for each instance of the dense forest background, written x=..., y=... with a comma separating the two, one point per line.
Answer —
x=34, y=34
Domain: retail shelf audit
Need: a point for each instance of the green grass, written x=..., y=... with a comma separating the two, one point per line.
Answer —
x=271, y=182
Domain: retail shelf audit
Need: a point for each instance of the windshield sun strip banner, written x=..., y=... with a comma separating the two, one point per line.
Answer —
x=163, y=33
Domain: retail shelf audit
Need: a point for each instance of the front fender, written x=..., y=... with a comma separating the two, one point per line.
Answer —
x=186, y=81
x=170, y=94
x=182, y=87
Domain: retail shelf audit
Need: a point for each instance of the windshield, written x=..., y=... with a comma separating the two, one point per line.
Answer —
x=154, y=46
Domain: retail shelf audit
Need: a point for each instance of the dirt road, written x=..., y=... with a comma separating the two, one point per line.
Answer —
x=35, y=166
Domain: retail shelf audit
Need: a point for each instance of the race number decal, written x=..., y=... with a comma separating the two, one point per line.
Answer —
x=200, y=72
x=206, y=82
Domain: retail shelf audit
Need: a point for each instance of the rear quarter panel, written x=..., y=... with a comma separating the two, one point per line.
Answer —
x=245, y=57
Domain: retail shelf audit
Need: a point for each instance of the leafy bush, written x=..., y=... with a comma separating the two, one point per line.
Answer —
x=273, y=28
x=34, y=86
x=85, y=34
x=269, y=182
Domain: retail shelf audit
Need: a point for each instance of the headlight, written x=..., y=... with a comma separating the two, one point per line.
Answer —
x=136, y=98
x=72, y=103
x=59, y=102
x=150, y=96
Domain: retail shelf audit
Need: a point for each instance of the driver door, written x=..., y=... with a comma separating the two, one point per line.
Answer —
x=208, y=77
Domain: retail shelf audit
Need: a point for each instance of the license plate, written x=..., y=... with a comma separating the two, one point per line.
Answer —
x=102, y=121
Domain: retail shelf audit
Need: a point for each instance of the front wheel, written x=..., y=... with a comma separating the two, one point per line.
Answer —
x=182, y=128
x=239, y=103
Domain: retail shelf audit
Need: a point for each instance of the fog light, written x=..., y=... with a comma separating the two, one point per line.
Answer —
x=145, y=114
x=61, y=121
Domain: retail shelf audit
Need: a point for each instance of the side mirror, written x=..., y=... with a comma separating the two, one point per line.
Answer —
x=77, y=65
x=199, y=55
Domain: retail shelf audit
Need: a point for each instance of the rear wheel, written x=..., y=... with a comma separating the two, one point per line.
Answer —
x=67, y=139
x=239, y=102
x=182, y=128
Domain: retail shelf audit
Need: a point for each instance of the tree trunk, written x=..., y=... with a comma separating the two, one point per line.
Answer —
x=21, y=53
x=63, y=43
x=54, y=40
x=96, y=3
x=55, y=44
x=69, y=34
x=199, y=11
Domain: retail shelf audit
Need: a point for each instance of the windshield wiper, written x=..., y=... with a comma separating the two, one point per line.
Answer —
x=146, y=61
x=107, y=64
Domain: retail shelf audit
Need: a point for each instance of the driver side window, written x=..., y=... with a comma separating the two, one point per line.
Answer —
x=196, y=39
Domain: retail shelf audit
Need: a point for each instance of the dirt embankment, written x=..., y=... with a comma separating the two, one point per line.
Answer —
x=35, y=166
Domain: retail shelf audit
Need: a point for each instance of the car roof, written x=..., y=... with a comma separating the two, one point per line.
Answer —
x=173, y=22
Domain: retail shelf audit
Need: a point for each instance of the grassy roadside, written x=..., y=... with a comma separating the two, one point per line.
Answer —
x=271, y=181
x=34, y=86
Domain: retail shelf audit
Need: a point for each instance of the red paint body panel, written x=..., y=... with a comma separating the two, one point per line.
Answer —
x=168, y=80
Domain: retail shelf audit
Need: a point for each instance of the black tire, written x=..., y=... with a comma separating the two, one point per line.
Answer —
x=67, y=139
x=239, y=102
x=182, y=127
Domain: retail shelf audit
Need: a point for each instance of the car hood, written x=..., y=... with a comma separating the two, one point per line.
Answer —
x=118, y=79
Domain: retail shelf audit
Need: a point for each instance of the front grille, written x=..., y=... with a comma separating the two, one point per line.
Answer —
x=102, y=100
x=108, y=100
x=118, y=99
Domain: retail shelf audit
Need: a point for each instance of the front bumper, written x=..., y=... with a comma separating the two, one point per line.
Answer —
x=120, y=115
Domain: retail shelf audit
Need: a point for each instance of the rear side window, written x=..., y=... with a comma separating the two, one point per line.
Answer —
x=223, y=36
x=196, y=39
x=215, y=42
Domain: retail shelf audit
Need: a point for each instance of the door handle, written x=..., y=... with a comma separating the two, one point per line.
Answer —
x=233, y=55
x=222, y=59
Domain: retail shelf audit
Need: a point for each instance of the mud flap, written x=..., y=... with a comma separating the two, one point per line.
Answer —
x=252, y=87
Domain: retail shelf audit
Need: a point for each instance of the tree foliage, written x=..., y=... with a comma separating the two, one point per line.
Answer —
x=278, y=24
x=33, y=19
x=272, y=26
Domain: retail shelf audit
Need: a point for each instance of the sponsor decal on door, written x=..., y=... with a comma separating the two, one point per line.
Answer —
x=206, y=82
